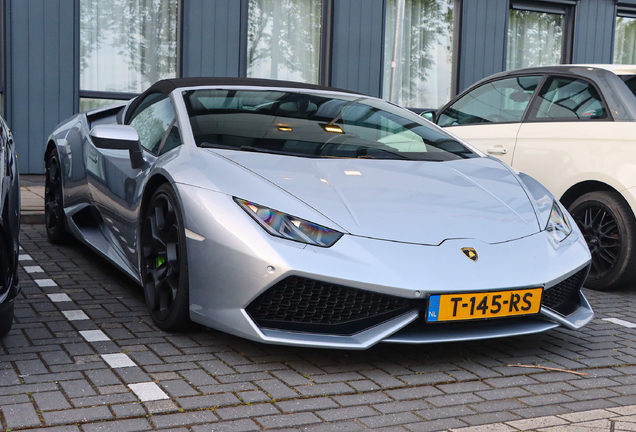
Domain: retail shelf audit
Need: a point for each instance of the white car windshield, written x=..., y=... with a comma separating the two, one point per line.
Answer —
x=315, y=125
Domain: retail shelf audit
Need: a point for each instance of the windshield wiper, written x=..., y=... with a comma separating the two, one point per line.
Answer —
x=253, y=149
x=278, y=152
x=218, y=146
x=380, y=154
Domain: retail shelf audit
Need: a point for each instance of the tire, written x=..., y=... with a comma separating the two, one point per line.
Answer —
x=609, y=228
x=54, y=217
x=164, y=263
x=6, y=318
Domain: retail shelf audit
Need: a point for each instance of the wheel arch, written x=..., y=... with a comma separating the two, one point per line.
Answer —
x=152, y=185
x=50, y=146
x=582, y=188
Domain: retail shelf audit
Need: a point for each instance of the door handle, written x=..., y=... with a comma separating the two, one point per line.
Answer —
x=498, y=150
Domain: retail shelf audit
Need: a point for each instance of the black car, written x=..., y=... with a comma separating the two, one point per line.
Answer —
x=9, y=227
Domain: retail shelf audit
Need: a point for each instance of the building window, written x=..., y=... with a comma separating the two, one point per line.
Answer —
x=283, y=39
x=537, y=35
x=625, y=40
x=418, y=52
x=125, y=46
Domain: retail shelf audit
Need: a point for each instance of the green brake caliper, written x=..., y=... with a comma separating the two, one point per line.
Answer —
x=160, y=261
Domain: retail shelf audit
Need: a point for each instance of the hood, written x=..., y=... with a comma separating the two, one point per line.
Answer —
x=406, y=201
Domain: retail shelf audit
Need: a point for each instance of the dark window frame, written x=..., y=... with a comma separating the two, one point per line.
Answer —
x=533, y=106
x=567, y=8
x=626, y=12
x=326, y=41
x=124, y=96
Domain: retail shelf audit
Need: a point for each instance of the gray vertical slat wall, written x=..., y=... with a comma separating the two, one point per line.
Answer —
x=594, y=31
x=357, y=45
x=212, y=38
x=41, y=88
x=482, y=40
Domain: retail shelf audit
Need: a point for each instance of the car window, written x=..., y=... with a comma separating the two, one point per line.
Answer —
x=152, y=124
x=315, y=125
x=500, y=101
x=150, y=99
x=172, y=140
x=3, y=130
x=567, y=98
x=630, y=82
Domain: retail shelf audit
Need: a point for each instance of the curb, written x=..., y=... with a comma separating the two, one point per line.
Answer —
x=32, y=218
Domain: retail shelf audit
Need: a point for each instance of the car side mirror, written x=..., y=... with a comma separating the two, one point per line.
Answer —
x=429, y=115
x=119, y=137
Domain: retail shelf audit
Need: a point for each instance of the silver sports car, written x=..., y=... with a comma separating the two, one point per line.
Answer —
x=303, y=215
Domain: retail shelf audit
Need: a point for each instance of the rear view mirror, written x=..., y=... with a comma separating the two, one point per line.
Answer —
x=119, y=137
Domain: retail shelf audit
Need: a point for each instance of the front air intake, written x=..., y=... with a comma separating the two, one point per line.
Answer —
x=557, y=296
x=307, y=305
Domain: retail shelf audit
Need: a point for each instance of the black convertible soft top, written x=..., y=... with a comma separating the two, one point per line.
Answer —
x=168, y=85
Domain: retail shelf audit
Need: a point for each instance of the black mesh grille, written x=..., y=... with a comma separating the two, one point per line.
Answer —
x=565, y=290
x=302, y=304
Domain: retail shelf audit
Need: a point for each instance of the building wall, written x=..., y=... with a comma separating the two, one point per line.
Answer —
x=41, y=74
x=42, y=51
x=594, y=31
x=357, y=45
x=212, y=35
x=482, y=40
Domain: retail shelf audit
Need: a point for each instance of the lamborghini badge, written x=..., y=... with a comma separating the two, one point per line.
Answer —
x=470, y=253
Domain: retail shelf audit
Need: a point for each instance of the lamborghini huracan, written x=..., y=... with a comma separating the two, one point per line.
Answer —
x=304, y=215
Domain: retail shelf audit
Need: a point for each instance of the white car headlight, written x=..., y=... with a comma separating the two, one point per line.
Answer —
x=289, y=227
x=558, y=226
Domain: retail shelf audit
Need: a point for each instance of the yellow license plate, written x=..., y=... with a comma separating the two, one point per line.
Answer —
x=454, y=307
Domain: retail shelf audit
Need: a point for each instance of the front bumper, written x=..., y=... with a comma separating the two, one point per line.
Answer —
x=232, y=261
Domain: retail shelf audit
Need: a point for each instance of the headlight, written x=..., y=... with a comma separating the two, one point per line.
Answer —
x=289, y=227
x=558, y=226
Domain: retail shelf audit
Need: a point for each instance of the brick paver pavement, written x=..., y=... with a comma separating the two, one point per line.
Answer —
x=84, y=355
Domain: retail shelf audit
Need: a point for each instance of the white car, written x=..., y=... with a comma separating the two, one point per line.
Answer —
x=571, y=127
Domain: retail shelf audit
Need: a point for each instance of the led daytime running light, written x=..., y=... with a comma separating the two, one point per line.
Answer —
x=289, y=227
x=558, y=225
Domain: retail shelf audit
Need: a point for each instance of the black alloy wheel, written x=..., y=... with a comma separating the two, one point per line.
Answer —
x=609, y=228
x=164, y=262
x=7, y=275
x=6, y=318
x=53, y=202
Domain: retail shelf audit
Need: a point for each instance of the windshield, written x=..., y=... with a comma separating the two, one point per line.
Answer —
x=315, y=125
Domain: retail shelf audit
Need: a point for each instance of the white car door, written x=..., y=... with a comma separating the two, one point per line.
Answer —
x=569, y=137
x=489, y=116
